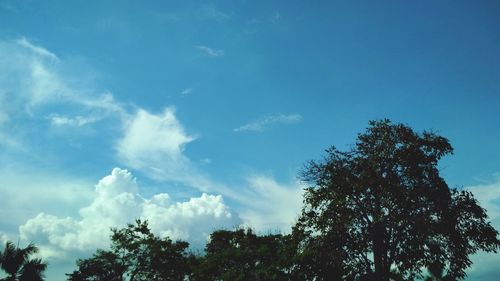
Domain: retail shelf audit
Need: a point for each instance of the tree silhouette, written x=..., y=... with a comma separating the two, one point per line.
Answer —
x=241, y=255
x=18, y=265
x=136, y=255
x=382, y=205
x=102, y=266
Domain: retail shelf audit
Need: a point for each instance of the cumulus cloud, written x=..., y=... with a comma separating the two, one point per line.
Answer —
x=210, y=51
x=263, y=123
x=154, y=144
x=117, y=203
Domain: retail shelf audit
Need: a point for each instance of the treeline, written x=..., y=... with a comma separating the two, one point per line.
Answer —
x=237, y=255
x=379, y=211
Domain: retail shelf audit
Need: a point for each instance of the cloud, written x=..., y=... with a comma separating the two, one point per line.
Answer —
x=27, y=191
x=211, y=12
x=35, y=80
x=187, y=91
x=154, y=144
x=36, y=49
x=117, y=202
x=269, y=205
x=77, y=121
x=210, y=52
x=3, y=239
x=66, y=216
x=263, y=123
x=276, y=17
x=485, y=265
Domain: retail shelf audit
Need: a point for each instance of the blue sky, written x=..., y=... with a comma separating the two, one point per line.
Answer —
x=108, y=106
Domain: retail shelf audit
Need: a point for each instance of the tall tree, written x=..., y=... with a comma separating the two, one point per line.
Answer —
x=18, y=264
x=136, y=255
x=382, y=206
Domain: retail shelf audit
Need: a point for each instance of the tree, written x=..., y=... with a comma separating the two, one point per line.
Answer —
x=102, y=266
x=18, y=265
x=383, y=209
x=241, y=255
x=136, y=255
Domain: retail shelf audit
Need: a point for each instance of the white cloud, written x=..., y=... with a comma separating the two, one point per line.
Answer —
x=269, y=205
x=154, y=144
x=3, y=239
x=210, y=51
x=36, y=49
x=35, y=79
x=77, y=121
x=263, y=123
x=117, y=203
x=26, y=192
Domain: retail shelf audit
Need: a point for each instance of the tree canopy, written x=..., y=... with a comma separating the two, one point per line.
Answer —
x=136, y=255
x=384, y=211
x=241, y=255
x=18, y=264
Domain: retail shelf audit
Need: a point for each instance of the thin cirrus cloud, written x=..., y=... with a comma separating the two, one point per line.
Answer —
x=187, y=91
x=262, y=124
x=36, y=49
x=39, y=79
x=211, y=52
x=213, y=13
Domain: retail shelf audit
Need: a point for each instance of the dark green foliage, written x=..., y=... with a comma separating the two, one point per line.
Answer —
x=18, y=266
x=383, y=205
x=103, y=265
x=241, y=255
x=136, y=255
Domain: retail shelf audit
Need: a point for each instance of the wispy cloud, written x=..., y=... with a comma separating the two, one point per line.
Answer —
x=40, y=81
x=77, y=121
x=36, y=49
x=211, y=12
x=276, y=17
x=187, y=91
x=210, y=51
x=263, y=123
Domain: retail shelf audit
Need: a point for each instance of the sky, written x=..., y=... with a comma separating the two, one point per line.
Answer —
x=199, y=115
